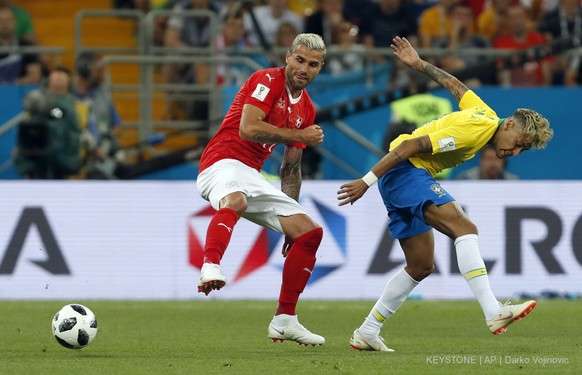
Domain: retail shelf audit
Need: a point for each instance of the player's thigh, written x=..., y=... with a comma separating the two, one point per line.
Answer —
x=224, y=178
x=271, y=208
x=449, y=219
x=297, y=225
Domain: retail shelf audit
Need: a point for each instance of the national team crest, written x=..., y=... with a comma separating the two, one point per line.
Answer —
x=438, y=190
x=298, y=122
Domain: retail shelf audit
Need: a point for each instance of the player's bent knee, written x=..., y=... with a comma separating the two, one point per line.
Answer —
x=236, y=202
x=419, y=273
x=312, y=238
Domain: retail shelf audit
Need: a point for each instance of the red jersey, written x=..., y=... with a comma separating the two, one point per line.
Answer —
x=531, y=73
x=266, y=90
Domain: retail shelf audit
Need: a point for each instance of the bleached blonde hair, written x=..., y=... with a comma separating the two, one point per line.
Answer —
x=311, y=41
x=535, y=127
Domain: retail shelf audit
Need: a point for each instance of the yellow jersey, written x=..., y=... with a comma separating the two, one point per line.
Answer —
x=456, y=137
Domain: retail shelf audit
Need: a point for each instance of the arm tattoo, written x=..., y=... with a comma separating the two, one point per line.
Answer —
x=423, y=145
x=398, y=158
x=268, y=138
x=291, y=172
x=451, y=83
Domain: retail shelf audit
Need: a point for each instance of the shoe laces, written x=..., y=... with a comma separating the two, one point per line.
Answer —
x=506, y=303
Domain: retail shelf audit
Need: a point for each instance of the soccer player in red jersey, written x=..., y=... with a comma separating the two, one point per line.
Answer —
x=272, y=107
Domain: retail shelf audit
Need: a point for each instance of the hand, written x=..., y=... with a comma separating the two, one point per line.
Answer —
x=351, y=192
x=287, y=246
x=312, y=135
x=405, y=52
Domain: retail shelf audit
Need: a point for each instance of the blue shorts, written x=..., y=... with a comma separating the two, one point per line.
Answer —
x=406, y=190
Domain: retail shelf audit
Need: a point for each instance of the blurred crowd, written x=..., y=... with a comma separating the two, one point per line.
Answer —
x=263, y=30
x=353, y=26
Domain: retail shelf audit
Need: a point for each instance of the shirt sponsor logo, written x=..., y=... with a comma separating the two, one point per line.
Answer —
x=261, y=92
x=447, y=144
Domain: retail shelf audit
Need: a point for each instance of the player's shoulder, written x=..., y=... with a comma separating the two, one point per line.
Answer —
x=269, y=76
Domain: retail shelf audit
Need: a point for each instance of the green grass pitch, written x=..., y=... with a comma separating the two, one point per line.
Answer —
x=216, y=337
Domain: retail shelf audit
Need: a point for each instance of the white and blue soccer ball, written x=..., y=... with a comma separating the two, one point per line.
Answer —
x=74, y=326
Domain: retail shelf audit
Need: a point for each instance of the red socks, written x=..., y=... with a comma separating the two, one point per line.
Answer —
x=297, y=270
x=218, y=234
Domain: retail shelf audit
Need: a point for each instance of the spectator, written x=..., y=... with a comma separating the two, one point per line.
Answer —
x=104, y=154
x=565, y=21
x=351, y=57
x=573, y=73
x=532, y=73
x=434, y=23
x=24, y=26
x=270, y=17
x=230, y=42
x=384, y=20
x=327, y=18
x=286, y=33
x=16, y=67
x=160, y=23
x=49, y=137
x=188, y=32
x=461, y=36
x=354, y=10
x=491, y=23
x=490, y=167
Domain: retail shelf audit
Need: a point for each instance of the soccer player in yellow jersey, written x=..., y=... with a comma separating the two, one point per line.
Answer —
x=416, y=203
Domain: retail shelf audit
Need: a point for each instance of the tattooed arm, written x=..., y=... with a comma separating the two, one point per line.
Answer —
x=354, y=190
x=408, y=55
x=254, y=129
x=291, y=172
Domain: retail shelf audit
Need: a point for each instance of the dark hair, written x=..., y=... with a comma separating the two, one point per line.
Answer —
x=62, y=69
x=84, y=62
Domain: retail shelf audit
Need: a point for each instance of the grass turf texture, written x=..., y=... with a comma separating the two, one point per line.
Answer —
x=215, y=337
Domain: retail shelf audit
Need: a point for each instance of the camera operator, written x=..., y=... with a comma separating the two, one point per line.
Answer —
x=48, y=143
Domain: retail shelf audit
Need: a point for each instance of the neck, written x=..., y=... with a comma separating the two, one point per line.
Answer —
x=294, y=93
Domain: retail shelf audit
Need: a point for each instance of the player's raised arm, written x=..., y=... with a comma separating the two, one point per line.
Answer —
x=408, y=55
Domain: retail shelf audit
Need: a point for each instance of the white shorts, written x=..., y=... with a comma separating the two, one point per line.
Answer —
x=265, y=202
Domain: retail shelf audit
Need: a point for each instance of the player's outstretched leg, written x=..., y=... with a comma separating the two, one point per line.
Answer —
x=211, y=278
x=367, y=336
x=508, y=314
x=359, y=342
x=287, y=327
x=217, y=239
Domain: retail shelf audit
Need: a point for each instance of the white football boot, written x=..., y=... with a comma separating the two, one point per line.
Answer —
x=287, y=327
x=211, y=278
x=508, y=314
x=359, y=342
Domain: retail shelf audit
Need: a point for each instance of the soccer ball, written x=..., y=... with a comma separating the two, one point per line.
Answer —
x=74, y=326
